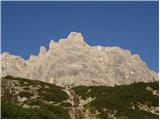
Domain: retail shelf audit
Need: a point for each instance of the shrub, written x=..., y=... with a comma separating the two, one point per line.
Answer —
x=25, y=94
x=120, y=98
x=12, y=111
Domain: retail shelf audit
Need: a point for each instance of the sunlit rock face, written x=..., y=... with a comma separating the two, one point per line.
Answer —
x=71, y=61
x=42, y=51
x=11, y=64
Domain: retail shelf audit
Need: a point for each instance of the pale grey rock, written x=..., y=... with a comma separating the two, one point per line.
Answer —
x=11, y=64
x=150, y=109
x=42, y=51
x=74, y=36
x=71, y=61
x=51, y=44
x=32, y=59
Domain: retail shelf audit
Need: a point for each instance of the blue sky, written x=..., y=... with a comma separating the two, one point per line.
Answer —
x=130, y=25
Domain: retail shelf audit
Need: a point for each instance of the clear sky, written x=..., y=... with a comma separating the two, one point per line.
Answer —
x=130, y=25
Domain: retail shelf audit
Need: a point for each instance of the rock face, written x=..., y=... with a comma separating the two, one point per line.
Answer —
x=11, y=65
x=71, y=61
x=42, y=51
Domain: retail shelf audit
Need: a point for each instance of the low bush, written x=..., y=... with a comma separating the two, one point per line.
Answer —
x=120, y=98
x=12, y=111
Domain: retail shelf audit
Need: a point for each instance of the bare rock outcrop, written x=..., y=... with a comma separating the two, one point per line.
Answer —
x=11, y=64
x=42, y=51
x=71, y=61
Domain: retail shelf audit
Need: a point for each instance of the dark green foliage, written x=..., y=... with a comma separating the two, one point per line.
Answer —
x=65, y=104
x=117, y=98
x=13, y=111
x=46, y=92
x=154, y=85
x=28, y=82
x=140, y=114
x=37, y=101
x=59, y=112
x=8, y=77
x=25, y=94
x=52, y=94
x=120, y=98
x=26, y=88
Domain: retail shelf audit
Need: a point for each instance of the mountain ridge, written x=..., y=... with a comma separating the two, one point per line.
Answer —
x=71, y=61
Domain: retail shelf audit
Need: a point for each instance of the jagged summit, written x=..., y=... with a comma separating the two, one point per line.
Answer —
x=74, y=39
x=51, y=44
x=42, y=51
x=71, y=61
x=75, y=36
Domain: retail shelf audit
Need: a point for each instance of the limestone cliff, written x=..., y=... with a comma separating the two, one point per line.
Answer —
x=71, y=61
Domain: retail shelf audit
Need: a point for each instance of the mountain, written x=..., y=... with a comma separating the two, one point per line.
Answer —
x=24, y=98
x=71, y=61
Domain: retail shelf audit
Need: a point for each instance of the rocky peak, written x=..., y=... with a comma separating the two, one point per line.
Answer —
x=51, y=44
x=75, y=36
x=5, y=54
x=42, y=51
x=72, y=62
x=74, y=39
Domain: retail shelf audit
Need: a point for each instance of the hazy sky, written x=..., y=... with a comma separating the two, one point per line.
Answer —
x=130, y=25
